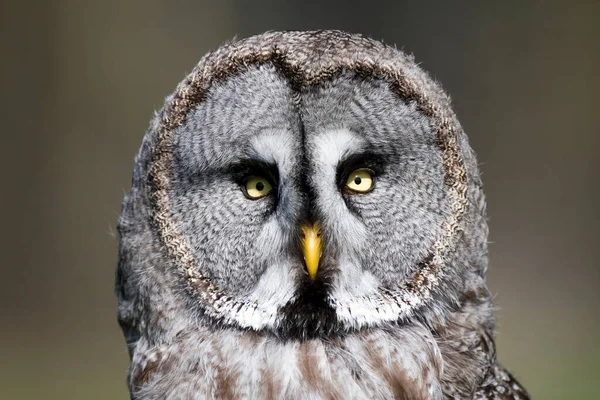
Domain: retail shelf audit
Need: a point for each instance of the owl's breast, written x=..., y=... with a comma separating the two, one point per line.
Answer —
x=369, y=365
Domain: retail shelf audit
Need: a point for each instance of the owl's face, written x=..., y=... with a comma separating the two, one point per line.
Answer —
x=305, y=201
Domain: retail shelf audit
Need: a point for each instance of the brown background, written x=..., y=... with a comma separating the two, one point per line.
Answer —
x=80, y=80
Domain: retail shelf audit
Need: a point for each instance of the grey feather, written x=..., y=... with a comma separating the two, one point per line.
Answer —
x=214, y=298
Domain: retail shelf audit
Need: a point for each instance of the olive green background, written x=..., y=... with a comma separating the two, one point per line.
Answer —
x=80, y=80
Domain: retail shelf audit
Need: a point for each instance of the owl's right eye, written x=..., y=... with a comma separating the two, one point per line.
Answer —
x=257, y=187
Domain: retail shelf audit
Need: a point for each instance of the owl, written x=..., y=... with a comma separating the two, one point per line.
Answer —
x=307, y=221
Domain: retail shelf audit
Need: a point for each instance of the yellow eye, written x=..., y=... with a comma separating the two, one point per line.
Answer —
x=360, y=181
x=257, y=187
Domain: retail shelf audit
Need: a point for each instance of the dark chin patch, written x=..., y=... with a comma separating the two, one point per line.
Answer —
x=309, y=316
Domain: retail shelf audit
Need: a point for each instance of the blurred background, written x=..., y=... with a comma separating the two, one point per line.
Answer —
x=81, y=79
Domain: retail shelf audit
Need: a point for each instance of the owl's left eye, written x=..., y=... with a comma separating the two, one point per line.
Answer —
x=257, y=187
x=360, y=181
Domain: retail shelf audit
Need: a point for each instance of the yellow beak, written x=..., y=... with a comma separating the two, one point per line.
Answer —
x=311, y=247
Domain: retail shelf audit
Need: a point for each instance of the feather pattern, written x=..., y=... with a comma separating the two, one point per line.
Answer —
x=214, y=297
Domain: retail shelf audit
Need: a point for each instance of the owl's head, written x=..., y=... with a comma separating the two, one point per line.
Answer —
x=301, y=184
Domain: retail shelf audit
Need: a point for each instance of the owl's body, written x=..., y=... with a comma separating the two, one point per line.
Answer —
x=307, y=221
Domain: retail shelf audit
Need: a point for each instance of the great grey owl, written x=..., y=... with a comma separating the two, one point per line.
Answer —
x=307, y=221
